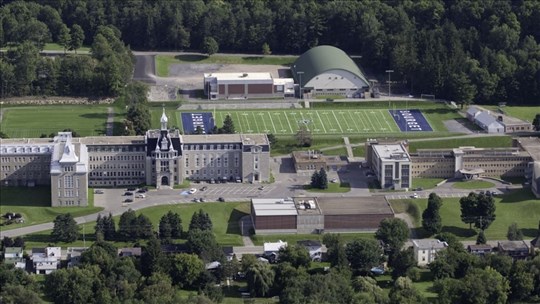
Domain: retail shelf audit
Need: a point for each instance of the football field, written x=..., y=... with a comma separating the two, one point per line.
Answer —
x=317, y=121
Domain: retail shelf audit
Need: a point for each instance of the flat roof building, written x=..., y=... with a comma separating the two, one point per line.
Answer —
x=390, y=163
x=246, y=85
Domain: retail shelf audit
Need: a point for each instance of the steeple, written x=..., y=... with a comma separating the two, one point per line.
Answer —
x=164, y=120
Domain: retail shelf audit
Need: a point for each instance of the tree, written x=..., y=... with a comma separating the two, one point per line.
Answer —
x=431, y=219
x=363, y=254
x=204, y=244
x=536, y=122
x=185, y=269
x=521, y=281
x=152, y=259
x=260, y=278
x=316, y=180
x=272, y=140
x=109, y=232
x=297, y=256
x=323, y=179
x=481, y=239
x=209, y=46
x=139, y=115
x=401, y=262
x=72, y=285
x=335, y=253
x=201, y=221
x=165, y=230
x=393, y=232
x=514, y=233
x=77, y=38
x=143, y=227
x=19, y=294
x=228, y=125
x=404, y=292
x=65, y=229
x=368, y=291
x=478, y=209
x=266, y=49
x=303, y=136
x=157, y=288
x=127, y=225
x=64, y=38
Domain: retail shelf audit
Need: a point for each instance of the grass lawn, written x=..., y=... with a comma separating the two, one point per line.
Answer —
x=524, y=113
x=259, y=240
x=424, y=285
x=473, y=184
x=332, y=188
x=32, y=121
x=58, y=47
x=425, y=182
x=224, y=217
x=338, y=151
x=34, y=204
x=164, y=61
x=479, y=142
x=518, y=206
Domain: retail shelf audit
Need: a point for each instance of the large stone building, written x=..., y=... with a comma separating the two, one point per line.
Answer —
x=163, y=158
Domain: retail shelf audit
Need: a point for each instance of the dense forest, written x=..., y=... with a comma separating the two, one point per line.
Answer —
x=463, y=50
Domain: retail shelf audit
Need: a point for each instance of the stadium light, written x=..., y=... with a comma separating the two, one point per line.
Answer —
x=389, y=73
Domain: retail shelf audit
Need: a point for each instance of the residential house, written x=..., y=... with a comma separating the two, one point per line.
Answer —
x=514, y=249
x=14, y=255
x=46, y=260
x=74, y=255
x=425, y=250
x=535, y=244
x=314, y=248
x=271, y=249
x=480, y=249
x=130, y=252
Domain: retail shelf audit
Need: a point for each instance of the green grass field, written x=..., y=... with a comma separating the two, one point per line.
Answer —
x=473, y=184
x=164, y=61
x=518, y=206
x=332, y=188
x=35, y=205
x=479, y=142
x=425, y=183
x=32, y=121
x=524, y=113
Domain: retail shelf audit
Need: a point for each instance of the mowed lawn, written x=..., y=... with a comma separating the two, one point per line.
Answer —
x=35, y=205
x=524, y=113
x=31, y=122
x=519, y=206
x=287, y=122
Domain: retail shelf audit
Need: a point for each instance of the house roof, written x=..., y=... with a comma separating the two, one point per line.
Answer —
x=480, y=247
x=429, y=244
x=513, y=245
x=321, y=59
x=472, y=110
x=272, y=247
x=13, y=250
x=486, y=119
x=536, y=242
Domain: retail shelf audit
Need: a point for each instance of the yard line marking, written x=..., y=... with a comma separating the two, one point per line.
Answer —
x=303, y=120
x=354, y=121
x=272, y=121
x=320, y=119
x=345, y=120
x=256, y=124
x=239, y=121
x=337, y=121
x=290, y=127
x=361, y=118
x=371, y=124
x=261, y=114
x=386, y=120
x=280, y=123
x=378, y=122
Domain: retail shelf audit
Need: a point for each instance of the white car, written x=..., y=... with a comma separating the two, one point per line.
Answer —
x=414, y=195
x=140, y=195
x=192, y=190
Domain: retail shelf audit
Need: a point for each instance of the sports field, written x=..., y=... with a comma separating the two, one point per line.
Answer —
x=317, y=121
x=32, y=121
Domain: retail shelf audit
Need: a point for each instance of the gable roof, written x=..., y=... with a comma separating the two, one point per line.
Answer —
x=321, y=59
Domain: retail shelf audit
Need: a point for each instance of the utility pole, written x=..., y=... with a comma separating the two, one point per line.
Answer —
x=389, y=73
x=299, y=73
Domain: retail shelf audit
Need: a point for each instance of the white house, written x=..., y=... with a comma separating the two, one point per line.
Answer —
x=14, y=255
x=271, y=249
x=314, y=248
x=46, y=260
x=425, y=250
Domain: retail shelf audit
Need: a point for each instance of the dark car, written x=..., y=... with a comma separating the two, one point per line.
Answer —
x=142, y=191
x=221, y=199
x=131, y=189
x=127, y=193
x=98, y=191
x=128, y=200
x=204, y=188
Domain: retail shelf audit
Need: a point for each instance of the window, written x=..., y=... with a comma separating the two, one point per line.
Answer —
x=68, y=181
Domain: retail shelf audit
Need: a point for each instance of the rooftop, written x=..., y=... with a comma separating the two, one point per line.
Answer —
x=391, y=152
x=239, y=76
x=429, y=244
x=531, y=145
x=108, y=140
x=272, y=247
x=273, y=206
x=513, y=245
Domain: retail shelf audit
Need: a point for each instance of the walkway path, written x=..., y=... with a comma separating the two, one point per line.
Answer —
x=348, y=147
x=110, y=121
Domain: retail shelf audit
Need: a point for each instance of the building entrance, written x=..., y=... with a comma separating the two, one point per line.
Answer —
x=164, y=181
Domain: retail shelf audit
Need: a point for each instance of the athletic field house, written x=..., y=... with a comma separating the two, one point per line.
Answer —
x=306, y=215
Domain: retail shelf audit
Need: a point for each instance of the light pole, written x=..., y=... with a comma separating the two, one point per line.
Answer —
x=389, y=73
x=299, y=73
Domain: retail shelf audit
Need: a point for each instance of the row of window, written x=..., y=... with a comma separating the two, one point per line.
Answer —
x=116, y=158
x=69, y=193
x=129, y=148
x=211, y=161
x=115, y=174
x=204, y=172
x=115, y=182
x=118, y=166
x=25, y=159
x=212, y=147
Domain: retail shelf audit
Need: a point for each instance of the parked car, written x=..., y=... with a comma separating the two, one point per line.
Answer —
x=414, y=195
x=261, y=188
x=131, y=189
x=192, y=190
x=333, y=180
x=140, y=195
x=128, y=200
x=195, y=200
x=221, y=199
x=142, y=190
x=204, y=188
x=127, y=193
x=98, y=191
x=202, y=200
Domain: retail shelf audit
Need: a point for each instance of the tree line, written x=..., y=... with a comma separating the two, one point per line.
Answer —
x=483, y=51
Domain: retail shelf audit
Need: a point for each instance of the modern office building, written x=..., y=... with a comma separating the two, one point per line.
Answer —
x=327, y=70
x=390, y=163
x=163, y=158
x=246, y=85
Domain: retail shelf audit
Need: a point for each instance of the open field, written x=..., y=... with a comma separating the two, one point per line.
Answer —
x=163, y=62
x=425, y=182
x=34, y=204
x=523, y=113
x=32, y=121
x=519, y=206
x=332, y=188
